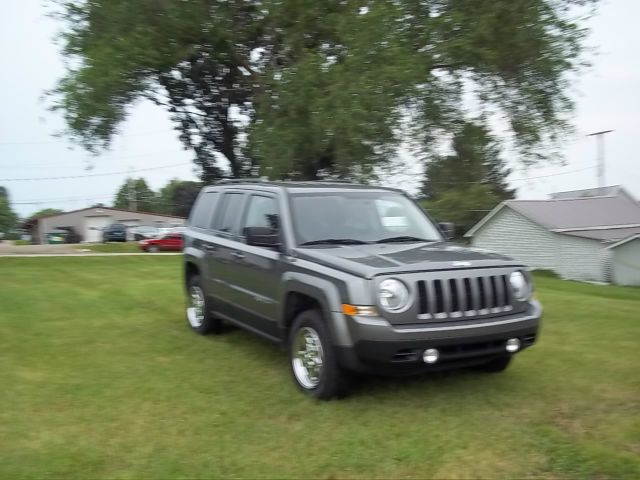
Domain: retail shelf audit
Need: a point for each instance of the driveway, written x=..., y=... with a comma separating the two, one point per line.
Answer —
x=8, y=249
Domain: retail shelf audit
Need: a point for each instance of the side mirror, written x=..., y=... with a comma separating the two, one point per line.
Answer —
x=261, y=237
x=448, y=229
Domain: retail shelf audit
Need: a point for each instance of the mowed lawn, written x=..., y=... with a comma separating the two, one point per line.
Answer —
x=101, y=378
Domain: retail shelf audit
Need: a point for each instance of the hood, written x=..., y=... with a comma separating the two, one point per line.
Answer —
x=371, y=260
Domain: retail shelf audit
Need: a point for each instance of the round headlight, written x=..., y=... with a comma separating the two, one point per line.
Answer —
x=393, y=295
x=520, y=286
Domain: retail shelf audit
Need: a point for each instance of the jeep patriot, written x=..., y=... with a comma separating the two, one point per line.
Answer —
x=350, y=278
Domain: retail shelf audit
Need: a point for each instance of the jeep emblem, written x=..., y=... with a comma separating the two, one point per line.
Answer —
x=461, y=264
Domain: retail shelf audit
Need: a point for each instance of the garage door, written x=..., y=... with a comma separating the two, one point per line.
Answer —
x=94, y=227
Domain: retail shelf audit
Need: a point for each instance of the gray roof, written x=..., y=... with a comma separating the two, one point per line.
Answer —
x=606, y=235
x=580, y=213
x=588, y=192
x=583, y=213
x=625, y=241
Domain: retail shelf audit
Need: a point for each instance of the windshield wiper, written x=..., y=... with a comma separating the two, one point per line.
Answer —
x=336, y=241
x=403, y=238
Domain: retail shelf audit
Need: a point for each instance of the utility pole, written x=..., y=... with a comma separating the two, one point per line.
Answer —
x=133, y=201
x=600, y=139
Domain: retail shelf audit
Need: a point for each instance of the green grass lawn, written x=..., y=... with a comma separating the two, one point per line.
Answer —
x=101, y=378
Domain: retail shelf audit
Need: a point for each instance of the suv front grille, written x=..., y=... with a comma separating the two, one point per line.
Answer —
x=464, y=297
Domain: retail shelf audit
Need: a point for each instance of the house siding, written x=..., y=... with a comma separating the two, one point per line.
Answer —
x=626, y=263
x=582, y=259
x=512, y=234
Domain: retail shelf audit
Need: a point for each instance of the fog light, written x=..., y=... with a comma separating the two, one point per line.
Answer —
x=431, y=355
x=512, y=345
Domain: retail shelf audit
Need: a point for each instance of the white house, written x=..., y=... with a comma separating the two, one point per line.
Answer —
x=576, y=234
x=89, y=222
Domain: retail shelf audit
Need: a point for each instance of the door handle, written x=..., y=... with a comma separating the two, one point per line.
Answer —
x=238, y=255
x=209, y=246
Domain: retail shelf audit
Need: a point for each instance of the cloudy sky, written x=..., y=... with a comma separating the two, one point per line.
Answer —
x=607, y=95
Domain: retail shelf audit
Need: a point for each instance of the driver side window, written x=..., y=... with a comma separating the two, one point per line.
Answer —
x=262, y=212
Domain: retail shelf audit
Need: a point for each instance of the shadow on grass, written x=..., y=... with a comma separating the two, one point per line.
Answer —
x=251, y=347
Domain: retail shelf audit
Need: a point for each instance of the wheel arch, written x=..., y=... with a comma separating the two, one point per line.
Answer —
x=301, y=292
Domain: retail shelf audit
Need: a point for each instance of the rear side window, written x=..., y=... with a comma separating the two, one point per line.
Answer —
x=203, y=209
x=226, y=219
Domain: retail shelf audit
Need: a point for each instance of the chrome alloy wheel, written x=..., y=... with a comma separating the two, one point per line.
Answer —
x=307, y=357
x=196, y=310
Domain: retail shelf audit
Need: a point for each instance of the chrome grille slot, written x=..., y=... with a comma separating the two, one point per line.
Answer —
x=468, y=296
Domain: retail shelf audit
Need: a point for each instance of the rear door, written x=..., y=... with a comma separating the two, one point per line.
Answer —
x=222, y=252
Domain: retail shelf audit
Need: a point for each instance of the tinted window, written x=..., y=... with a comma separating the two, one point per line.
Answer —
x=262, y=212
x=227, y=218
x=202, y=210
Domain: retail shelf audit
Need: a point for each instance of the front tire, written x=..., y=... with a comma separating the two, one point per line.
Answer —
x=153, y=249
x=314, y=364
x=199, y=315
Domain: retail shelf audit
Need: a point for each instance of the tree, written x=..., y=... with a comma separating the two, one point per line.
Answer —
x=464, y=186
x=325, y=87
x=136, y=195
x=45, y=212
x=475, y=159
x=8, y=218
x=184, y=196
x=463, y=205
x=177, y=197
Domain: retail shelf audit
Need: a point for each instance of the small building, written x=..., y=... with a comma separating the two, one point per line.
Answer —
x=575, y=234
x=625, y=261
x=88, y=223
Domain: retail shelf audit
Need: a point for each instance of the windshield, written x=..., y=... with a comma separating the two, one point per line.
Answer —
x=359, y=217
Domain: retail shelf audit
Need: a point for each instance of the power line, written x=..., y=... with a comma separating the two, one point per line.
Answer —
x=524, y=179
x=28, y=179
x=53, y=142
x=109, y=158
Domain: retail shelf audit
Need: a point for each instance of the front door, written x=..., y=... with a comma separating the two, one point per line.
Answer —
x=257, y=270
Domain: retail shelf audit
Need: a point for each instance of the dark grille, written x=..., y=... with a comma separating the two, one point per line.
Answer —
x=460, y=297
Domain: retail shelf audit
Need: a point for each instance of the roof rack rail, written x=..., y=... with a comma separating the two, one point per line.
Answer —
x=243, y=180
x=331, y=181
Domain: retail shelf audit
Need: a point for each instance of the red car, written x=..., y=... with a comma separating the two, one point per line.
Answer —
x=168, y=242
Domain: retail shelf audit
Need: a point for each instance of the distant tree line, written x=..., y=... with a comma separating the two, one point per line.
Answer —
x=175, y=198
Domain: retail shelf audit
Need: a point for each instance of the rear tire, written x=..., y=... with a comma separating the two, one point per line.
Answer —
x=198, y=311
x=313, y=361
x=497, y=365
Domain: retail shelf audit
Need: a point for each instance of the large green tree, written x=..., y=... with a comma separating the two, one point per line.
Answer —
x=8, y=218
x=325, y=87
x=135, y=194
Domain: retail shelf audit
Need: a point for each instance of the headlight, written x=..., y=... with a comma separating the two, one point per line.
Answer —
x=393, y=295
x=520, y=286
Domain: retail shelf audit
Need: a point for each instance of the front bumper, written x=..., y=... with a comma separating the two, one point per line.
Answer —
x=380, y=347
